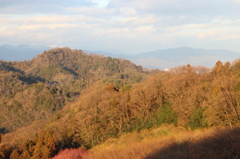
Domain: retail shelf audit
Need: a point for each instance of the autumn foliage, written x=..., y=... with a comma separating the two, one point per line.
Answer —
x=81, y=100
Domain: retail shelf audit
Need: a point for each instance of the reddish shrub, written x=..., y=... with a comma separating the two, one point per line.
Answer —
x=71, y=154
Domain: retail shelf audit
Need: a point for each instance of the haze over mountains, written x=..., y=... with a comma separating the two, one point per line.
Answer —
x=168, y=58
x=21, y=52
x=173, y=57
x=160, y=59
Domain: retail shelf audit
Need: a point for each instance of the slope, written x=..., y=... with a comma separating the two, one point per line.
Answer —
x=38, y=88
x=187, y=97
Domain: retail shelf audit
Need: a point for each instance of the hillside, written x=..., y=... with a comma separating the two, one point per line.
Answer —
x=36, y=89
x=24, y=100
x=109, y=99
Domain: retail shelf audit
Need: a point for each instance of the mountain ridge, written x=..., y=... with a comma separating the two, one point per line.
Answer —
x=157, y=59
x=21, y=52
x=173, y=57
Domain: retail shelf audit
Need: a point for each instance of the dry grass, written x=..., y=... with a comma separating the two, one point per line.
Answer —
x=171, y=142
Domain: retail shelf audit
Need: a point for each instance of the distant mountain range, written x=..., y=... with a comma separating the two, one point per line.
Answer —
x=169, y=58
x=21, y=52
x=161, y=59
x=173, y=57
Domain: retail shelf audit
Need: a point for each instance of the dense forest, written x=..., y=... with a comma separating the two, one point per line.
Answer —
x=68, y=102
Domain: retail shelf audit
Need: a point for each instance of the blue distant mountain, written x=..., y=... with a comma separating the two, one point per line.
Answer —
x=21, y=52
x=161, y=59
x=173, y=57
x=183, y=53
x=168, y=58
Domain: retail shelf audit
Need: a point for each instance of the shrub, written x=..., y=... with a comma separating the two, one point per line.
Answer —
x=71, y=154
x=197, y=119
x=166, y=115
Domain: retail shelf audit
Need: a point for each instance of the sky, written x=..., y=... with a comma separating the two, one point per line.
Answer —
x=130, y=26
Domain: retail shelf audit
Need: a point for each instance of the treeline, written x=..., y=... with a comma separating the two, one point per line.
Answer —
x=36, y=89
x=187, y=97
x=190, y=97
x=33, y=91
x=113, y=100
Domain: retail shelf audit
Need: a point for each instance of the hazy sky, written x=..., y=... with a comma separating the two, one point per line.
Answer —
x=126, y=25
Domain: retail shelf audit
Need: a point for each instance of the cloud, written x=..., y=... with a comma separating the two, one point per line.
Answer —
x=146, y=29
x=41, y=6
x=65, y=3
x=50, y=26
x=132, y=25
x=173, y=7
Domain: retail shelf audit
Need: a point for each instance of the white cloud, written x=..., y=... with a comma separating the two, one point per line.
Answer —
x=50, y=26
x=132, y=25
x=146, y=29
x=128, y=11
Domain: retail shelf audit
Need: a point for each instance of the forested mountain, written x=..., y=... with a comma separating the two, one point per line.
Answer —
x=84, y=100
x=36, y=89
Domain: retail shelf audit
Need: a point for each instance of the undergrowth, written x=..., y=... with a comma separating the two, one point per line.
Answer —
x=171, y=142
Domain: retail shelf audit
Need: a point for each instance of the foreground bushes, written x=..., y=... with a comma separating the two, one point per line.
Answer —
x=215, y=143
x=71, y=154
